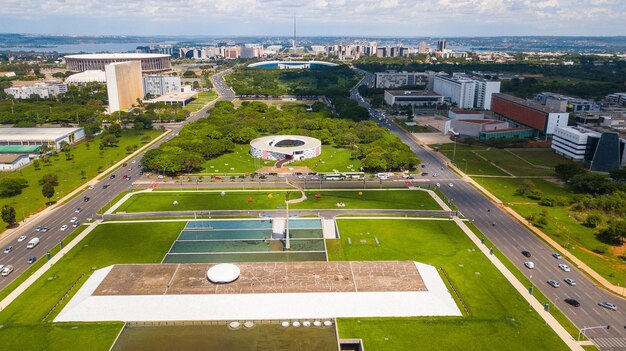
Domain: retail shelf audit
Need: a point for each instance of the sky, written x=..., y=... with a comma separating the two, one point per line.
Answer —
x=315, y=17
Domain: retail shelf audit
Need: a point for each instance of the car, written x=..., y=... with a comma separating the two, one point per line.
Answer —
x=160, y=176
x=134, y=161
x=79, y=210
x=220, y=178
x=112, y=176
x=554, y=283
x=125, y=176
x=564, y=267
x=572, y=302
x=125, y=164
x=75, y=224
x=315, y=178
x=7, y=270
x=128, y=178
x=424, y=173
x=438, y=185
x=526, y=253
x=608, y=305
x=410, y=177
x=45, y=229
x=91, y=187
x=74, y=219
x=435, y=174
x=570, y=281
x=423, y=166
x=300, y=177
x=8, y=249
x=21, y=238
x=38, y=228
x=86, y=198
x=556, y=255
x=529, y=264
x=63, y=227
x=451, y=185
x=32, y=260
x=105, y=186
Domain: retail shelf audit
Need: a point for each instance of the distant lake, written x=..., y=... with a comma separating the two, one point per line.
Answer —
x=75, y=48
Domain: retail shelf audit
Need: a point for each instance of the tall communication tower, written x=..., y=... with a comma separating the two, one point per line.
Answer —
x=293, y=44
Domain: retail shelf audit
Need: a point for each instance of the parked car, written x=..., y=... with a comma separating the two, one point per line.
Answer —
x=554, y=283
x=526, y=253
x=529, y=264
x=572, y=302
x=570, y=281
x=8, y=249
x=7, y=270
x=32, y=260
x=21, y=238
x=608, y=305
x=556, y=255
x=564, y=267
x=63, y=227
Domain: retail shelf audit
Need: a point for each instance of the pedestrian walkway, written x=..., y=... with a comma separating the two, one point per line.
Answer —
x=329, y=228
x=608, y=343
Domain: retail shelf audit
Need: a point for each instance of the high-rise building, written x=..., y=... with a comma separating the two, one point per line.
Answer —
x=520, y=112
x=393, y=79
x=460, y=90
x=483, y=92
x=422, y=48
x=441, y=45
x=161, y=85
x=124, y=84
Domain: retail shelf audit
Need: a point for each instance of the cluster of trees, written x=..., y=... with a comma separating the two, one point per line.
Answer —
x=143, y=116
x=48, y=182
x=226, y=126
x=585, y=182
x=12, y=186
x=269, y=82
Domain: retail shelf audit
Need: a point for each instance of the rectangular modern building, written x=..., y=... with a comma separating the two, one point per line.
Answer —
x=161, y=85
x=523, y=113
x=411, y=97
x=393, y=79
x=124, y=84
x=484, y=91
x=42, y=90
x=52, y=137
x=460, y=90
x=575, y=143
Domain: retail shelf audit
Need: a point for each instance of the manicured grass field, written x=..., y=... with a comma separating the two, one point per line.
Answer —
x=513, y=164
x=108, y=244
x=69, y=172
x=377, y=199
x=469, y=163
x=332, y=159
x=498, y=314
x=238, y=161
x=505, y=188
x=202, y=98
x=541, y=157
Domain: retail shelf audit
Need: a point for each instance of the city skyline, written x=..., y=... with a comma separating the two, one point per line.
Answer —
x=320, y=17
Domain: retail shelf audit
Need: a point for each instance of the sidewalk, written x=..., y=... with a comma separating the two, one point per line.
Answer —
x=579, y=264
x=41, y=271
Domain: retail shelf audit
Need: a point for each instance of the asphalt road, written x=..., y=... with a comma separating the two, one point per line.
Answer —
x=99, y=197
x=511, y=238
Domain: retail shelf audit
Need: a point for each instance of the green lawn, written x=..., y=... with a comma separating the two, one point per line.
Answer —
x=504, y=188
x=202, y=98
x=332, y=159
x=541, y=157
x=108, y=244
x=238, y=161
x=498, y=314
x=468, y=162
x=69, y=172
x=371, y=199
x=513, y=164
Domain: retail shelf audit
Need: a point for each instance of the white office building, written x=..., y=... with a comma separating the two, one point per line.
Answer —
x=460, y=90
x=393, y=79
x=483, y=92
x=161, y=85
x=43, y=90
x=52, y=137
x=574, y=143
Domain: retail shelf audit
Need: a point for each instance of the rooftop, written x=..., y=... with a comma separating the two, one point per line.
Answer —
x=87, y=76
x=10, y=158
x=466, y=112
x=120, y=56
x=35, y=133
x=173, y=97
x=411, y=93
x=481, y=121
x=527, y=103
x=19, y=149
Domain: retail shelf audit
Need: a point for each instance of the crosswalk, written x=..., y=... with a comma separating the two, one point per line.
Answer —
x=610, y=343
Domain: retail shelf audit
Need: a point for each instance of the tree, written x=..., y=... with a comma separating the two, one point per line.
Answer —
x=49, y=178
x=567, y=171
x=83, y=174
x=47, y=190
x=37, y=165
x=614, y=234
x=525, y=187
x=619, y=174
x=109, y=140
x=593, y=220
x=12, y=186
x=8, y=215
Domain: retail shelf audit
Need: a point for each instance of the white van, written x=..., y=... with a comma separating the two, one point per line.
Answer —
x=32, y=243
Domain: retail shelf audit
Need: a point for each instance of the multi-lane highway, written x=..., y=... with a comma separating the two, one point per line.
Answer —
x=99, y=195
x=511, y=237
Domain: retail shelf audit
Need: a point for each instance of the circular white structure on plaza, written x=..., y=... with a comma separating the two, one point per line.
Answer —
x=150, y=63
x=285, y=147
x=223, y=273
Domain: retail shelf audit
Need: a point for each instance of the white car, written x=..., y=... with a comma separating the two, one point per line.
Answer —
x=570, y=281
x=74, y=219
x=21, y=238
x=91, y=187
x=160, y=176
x=451, y=185
x=134, y=161
x=564, y=267
x=64, y=226
x=7, y=270
x=529, y=264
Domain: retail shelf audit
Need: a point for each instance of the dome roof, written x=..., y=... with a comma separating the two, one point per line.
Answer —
x=223, y=273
